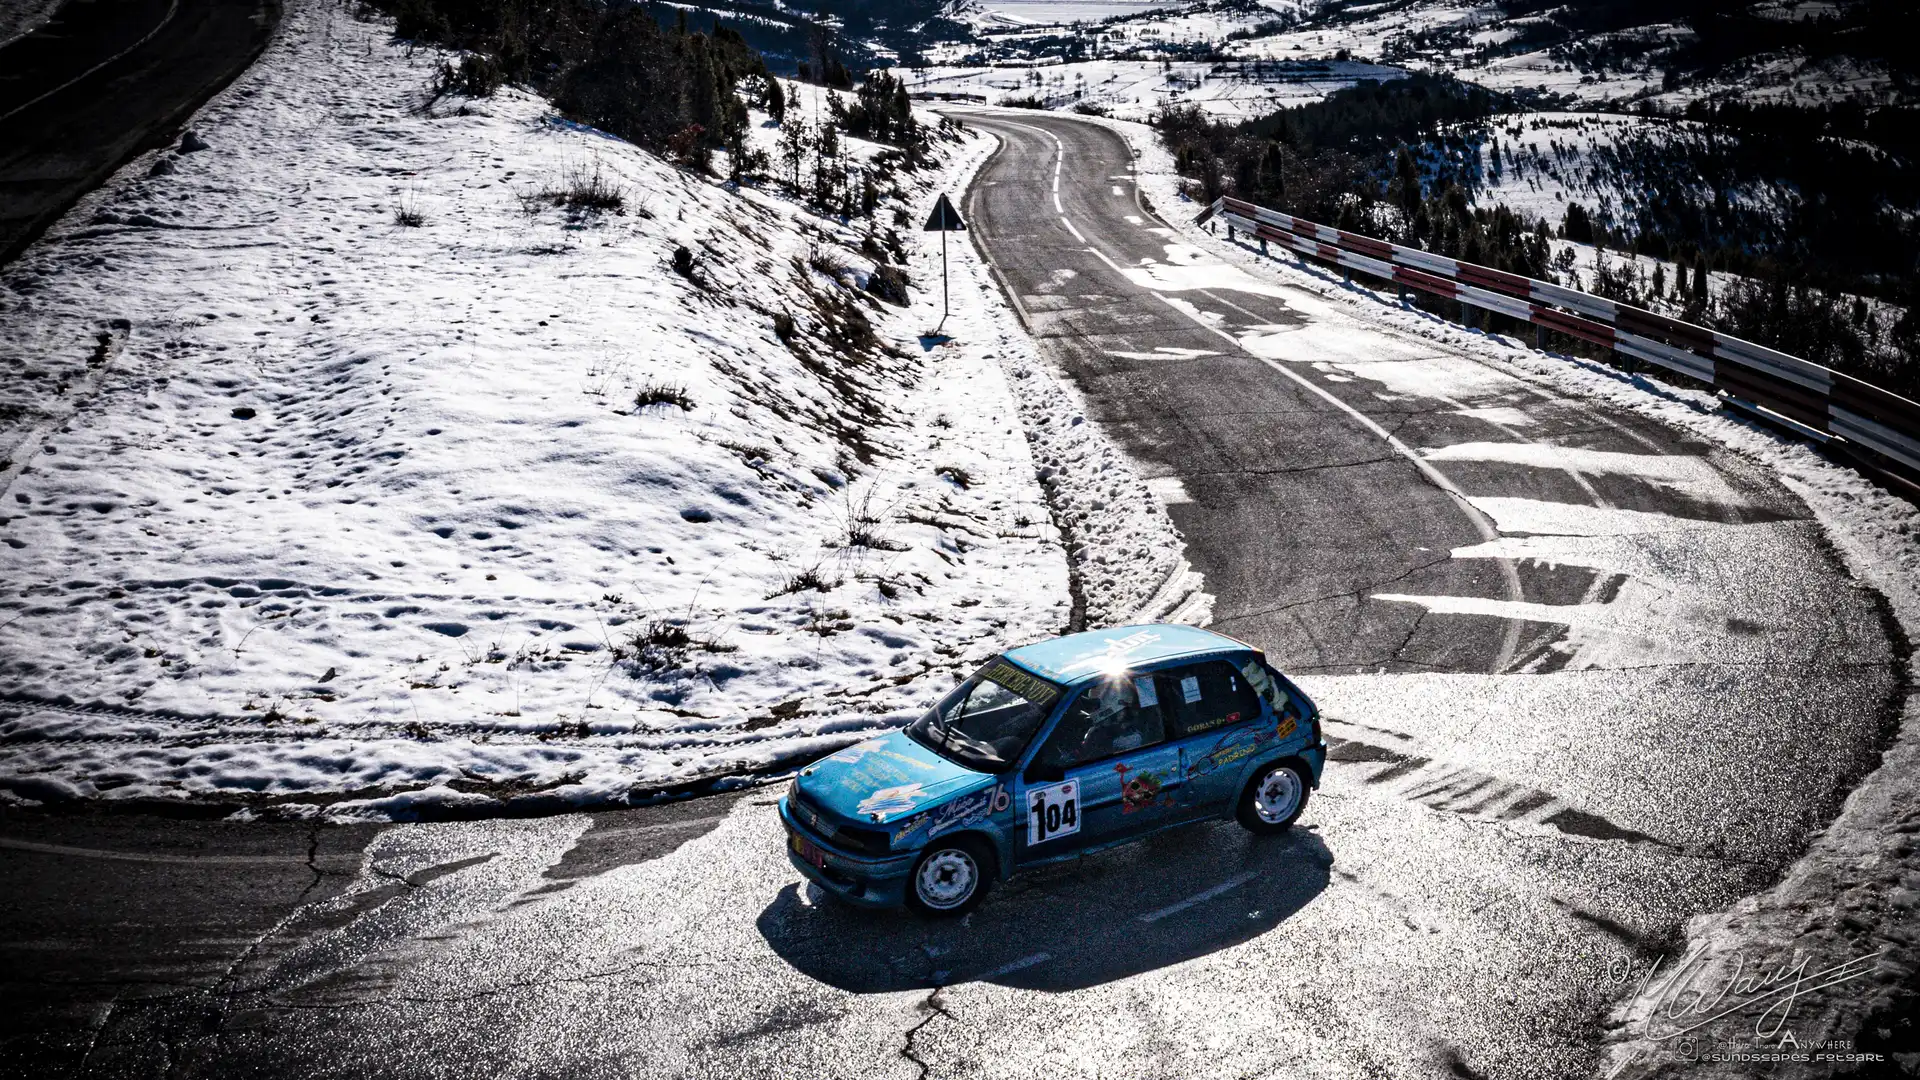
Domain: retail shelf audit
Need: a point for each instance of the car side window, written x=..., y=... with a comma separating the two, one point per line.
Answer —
x=1205, y=696
x=1113, y=716
x=1269, y=687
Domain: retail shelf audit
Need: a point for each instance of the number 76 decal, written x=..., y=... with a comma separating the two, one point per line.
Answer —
x=1053, y=811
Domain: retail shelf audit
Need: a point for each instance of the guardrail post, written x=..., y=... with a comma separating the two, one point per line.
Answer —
x=1403, y=294
x=1539, y=337
x=1263, y=245
x=1229, y=232
x=1346, y=274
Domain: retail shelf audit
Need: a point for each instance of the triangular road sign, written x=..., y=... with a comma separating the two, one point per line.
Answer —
x=944, y=218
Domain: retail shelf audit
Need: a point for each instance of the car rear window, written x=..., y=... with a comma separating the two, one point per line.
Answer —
x=1206, y=696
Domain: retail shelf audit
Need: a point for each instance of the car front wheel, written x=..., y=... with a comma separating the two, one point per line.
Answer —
x=950, y=878
x=1274, y=798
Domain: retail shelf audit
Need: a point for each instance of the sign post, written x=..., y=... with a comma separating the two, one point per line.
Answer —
x=943, y=220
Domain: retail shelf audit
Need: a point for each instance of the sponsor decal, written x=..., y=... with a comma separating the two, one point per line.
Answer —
x=891, y=800
x=1144, y=689
x=1232, y=747
x=1284, y=728
x=1001, y=798
x=966, y=810
x=1141, y=791
x=1032, y=687
x=1113, y=653
x=1218, y=721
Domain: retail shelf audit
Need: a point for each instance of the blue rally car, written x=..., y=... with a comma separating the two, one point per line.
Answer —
x=1052, y=750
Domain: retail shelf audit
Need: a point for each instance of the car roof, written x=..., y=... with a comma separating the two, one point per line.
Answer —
x=1078, y=658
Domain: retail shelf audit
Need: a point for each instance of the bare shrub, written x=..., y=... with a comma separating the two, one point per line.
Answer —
x=659, y=644
x=407, y=215
x=889, y=283
x=653, y=394
x=581, y=192
x=808, y=580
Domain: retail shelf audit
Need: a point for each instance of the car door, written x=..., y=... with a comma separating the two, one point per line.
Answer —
x=1217, y=722
x=1105, y=773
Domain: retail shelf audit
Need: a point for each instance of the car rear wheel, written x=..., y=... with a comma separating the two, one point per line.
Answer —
x=950, y=878
x=1274, y=798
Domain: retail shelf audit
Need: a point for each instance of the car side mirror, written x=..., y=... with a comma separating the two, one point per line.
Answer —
x=1045, y=774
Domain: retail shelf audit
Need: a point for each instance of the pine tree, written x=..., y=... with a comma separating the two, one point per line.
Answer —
x=704, y=101
x=796, y=142
x=1404, y=189
x=776, y=102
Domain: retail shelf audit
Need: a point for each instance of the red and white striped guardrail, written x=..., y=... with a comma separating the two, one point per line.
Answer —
x=1830, y=403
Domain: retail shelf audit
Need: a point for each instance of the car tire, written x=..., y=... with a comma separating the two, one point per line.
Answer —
x=1274, y=798
x=950, y=878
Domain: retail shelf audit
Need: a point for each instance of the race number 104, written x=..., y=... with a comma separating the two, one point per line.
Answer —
x=1053, y=811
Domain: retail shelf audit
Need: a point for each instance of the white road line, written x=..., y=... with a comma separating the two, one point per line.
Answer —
x=147, y=857
x=172, y=10
x=1021, y=964
x=1198, y=898
x=1071, y=229
x=1481, y=522
x=1484, y=525
x=665, y=826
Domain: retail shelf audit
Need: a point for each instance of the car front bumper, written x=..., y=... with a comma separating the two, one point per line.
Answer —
x=863, y=881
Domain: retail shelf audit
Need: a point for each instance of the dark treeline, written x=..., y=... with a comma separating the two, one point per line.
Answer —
x=1724, y=33
x=1391, y=161
x=1346, y=161
x=616, y=68
x=675, y=89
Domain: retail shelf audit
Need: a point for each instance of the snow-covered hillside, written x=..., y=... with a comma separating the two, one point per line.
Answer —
x=1136, y=89
x=346, y=456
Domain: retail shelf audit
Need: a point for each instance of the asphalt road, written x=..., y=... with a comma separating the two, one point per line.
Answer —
x=101, y=81
x=1585, y=679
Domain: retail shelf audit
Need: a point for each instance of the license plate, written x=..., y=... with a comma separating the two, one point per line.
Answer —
x=808, y=850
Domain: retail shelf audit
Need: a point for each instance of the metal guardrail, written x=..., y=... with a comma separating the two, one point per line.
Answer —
x=1765, y=380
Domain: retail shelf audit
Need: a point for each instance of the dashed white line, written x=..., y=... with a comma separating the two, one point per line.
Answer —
x=147, y=857
x=1481, y=522
x=1021, y=964
x=1198, y=898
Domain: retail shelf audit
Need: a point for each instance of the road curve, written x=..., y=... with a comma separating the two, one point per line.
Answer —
x=1584, y=679
x=101, y=81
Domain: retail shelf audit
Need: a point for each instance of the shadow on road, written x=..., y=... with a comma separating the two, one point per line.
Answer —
x=1177, y=896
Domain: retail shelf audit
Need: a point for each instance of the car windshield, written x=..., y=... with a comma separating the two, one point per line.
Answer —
x=987, y=721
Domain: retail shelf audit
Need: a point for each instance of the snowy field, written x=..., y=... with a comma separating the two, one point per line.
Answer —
x=1365, y=34
x=1136, y=89
x=990, y=13
x=301, y=499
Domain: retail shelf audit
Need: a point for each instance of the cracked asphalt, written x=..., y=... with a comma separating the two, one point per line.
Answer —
x=1583, y=679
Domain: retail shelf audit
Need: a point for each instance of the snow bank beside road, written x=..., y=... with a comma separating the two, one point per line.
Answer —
x=302, y=499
